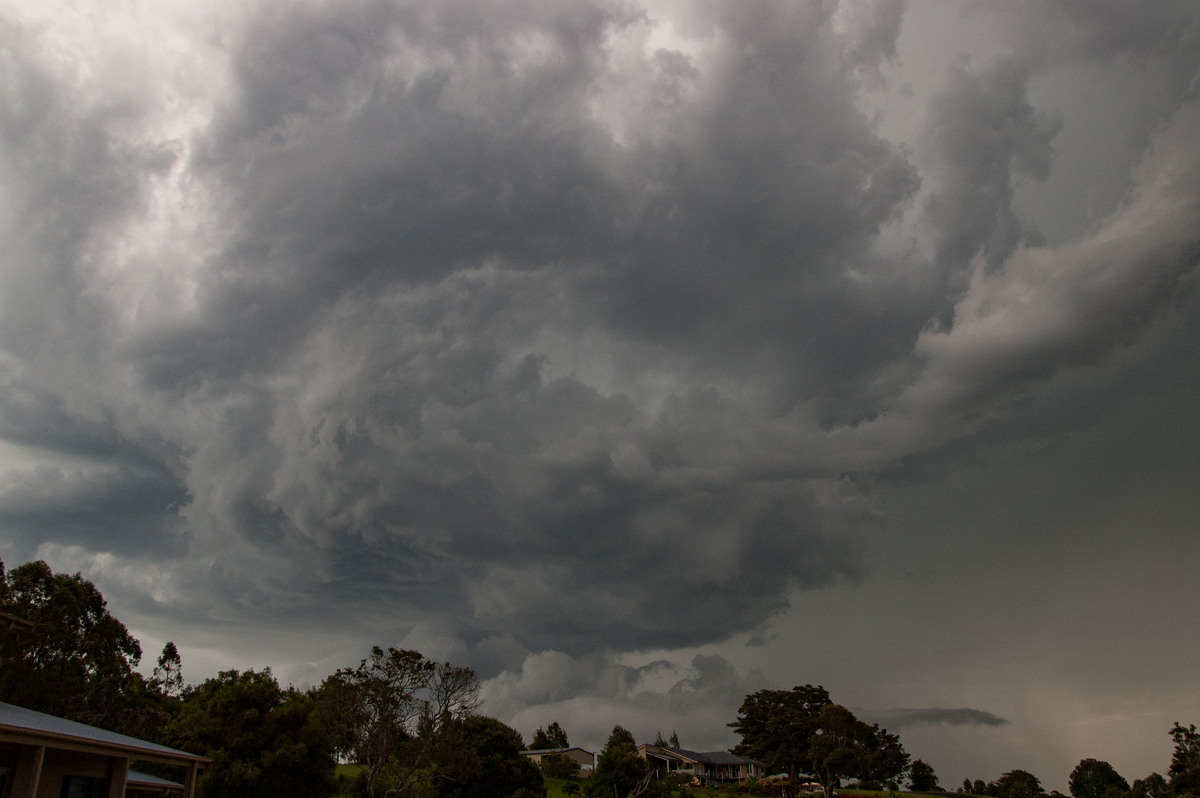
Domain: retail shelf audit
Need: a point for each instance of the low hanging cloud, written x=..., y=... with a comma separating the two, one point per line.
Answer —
x=589, y=695
x=905, y=718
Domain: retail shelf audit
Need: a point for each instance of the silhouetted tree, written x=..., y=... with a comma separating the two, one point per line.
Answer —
x=1093, y=778
x=921, y=777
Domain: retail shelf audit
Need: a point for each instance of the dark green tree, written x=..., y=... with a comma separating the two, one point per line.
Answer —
x=802, y=731
x=619, y=772
x=1016, y=784
x=921, y=777
x=167, y=676
x=674, y=741
x=552, y=736
x=845, y=747
x=78, y=661
x=1184, y=772
x=559, y=766
x=480, y=757
x=263, y=740
x=1153, y=786
x=777, y=726
x=1092, y=778
x=387, y=714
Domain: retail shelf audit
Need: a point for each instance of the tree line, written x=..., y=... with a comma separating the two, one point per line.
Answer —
x=412, y=726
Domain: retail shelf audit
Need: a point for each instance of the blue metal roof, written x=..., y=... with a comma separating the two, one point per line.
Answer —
x=29, y=721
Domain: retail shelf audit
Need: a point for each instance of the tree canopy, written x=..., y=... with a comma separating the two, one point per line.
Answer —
x=619, y=772
x=78, y=661
x=1016, y=784
x=387, y=713
x=1184, y=772
x=921, y=777
x=263, y=740
x=552, y=736
x=1092, y=778
x=480, y=757
x=803, y=731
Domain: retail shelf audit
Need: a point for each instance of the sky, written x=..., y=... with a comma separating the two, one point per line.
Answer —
x=638, y=355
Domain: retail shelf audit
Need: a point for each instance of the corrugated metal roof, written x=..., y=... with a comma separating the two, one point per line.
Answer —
x=27, y=720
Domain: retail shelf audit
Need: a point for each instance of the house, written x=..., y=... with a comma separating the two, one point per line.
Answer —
x=585, y=759
x=43, y=756
x=709, y=768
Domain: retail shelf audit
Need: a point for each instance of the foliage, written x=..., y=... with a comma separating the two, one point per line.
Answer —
x=388, y=713
x=921, y=777
x=480, y=757
x=803, y=731
x=1184, y=772
x=263, y=740
x=1153, y=786
x=552, y=737
x=619, y=772
x=78, y=661
x=559, y=766
x=777, y=726
x=1016, y=784
x=1092, y=778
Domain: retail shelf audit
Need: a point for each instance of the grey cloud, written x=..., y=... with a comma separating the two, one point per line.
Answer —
x=589, y=695
x=904, y=718
x=985, y=134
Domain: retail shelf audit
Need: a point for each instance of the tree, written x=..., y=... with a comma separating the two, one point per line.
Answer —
x=387, y=713
x=1184, y=772
x=1092, y=778
x=921, y=777
x=167, y=676
x=480, y=757
x=78, y=660
x=1153, y=786
x=674, y=741
x=1016, y=784
x=263, y=740
x=777, y=726
x=552, y=737
x=559, y=766
x=803, y=731
x=619, y=772
x=845, y=747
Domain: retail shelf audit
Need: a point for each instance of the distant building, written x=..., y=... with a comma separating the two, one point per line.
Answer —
x=585, y=759
x=708, y=768
x=43, y=756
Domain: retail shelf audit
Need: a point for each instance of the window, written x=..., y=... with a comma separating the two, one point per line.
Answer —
x=84, y=787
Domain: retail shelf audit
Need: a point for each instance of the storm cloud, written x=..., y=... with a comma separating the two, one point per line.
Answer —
x=551, y=336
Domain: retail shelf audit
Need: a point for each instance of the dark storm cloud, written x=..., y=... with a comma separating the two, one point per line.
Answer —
x=436, y=217
x=495, y=323
x=904, y=718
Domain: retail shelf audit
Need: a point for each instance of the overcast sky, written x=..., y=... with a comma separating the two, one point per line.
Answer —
x=638, y=356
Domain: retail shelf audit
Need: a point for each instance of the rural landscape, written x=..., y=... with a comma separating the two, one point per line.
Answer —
x=399, y=724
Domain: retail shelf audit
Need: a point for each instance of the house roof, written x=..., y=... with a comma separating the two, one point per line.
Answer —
x=20, y=724
x=532, y=751
x=707, y=757
x=140, y=779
